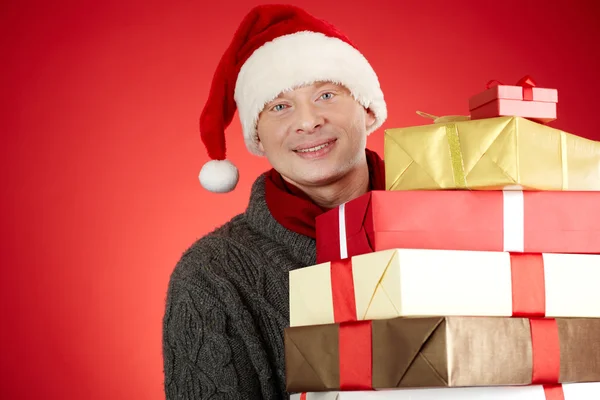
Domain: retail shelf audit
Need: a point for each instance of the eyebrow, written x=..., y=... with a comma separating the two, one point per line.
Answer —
x=317, y=86
x=324, y=83
x=333, y=84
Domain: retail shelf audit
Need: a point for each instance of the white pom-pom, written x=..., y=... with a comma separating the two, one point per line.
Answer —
x=219, y=176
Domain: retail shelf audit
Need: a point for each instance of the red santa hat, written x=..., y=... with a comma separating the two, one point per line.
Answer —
x=277, y=48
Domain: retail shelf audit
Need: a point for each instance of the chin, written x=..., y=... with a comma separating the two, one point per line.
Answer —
x=319, y=177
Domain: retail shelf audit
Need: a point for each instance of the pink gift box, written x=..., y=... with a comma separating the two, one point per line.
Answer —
x=521, y=100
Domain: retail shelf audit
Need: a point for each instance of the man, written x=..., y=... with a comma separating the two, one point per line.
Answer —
x=307, y=100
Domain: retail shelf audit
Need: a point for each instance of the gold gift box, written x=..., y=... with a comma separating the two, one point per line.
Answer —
x=441, y=352
x=489, y=154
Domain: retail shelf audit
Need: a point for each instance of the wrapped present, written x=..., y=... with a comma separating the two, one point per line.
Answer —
x=441, y=352
x=514, y=221
x=568, y=391
x=521, y=100
x=411, y=282
x=490, y=154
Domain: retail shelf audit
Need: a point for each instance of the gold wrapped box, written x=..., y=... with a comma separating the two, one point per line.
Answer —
x=441, y=352
x=490, y=154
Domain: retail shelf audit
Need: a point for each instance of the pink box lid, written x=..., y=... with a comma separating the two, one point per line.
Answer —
x=545, y=95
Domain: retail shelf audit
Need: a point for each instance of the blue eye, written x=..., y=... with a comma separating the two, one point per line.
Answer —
x=279, y=107
x=326, y=96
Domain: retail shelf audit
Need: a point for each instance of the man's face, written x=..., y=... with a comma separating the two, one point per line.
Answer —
x=315, y=134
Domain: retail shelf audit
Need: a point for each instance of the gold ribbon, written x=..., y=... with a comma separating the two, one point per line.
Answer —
x=458, y=167
x=564, y=161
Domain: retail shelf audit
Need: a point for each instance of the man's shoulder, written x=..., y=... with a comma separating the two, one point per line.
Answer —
x=212, y=252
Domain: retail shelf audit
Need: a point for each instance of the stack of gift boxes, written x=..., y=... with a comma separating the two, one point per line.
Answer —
x=474, y=275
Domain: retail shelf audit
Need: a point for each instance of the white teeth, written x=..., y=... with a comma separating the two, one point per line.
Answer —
x=312, y=149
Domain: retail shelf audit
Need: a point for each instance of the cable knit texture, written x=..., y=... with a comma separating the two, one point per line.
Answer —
x=227, y=305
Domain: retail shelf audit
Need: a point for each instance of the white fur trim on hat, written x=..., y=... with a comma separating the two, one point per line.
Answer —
x=298, y=59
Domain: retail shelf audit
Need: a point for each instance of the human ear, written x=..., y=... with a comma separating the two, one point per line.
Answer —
x=259, y=143
x=369, y=118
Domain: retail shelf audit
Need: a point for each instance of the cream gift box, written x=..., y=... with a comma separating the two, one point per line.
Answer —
x=415, y=282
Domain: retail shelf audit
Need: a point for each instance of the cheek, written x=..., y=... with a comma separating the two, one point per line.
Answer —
x=271, y=136
x=355, y=127
x=349, y=116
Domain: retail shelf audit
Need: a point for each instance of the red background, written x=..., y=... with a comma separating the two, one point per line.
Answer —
x=100, y=153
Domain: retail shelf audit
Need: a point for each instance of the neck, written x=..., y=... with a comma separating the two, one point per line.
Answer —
x=352, y=185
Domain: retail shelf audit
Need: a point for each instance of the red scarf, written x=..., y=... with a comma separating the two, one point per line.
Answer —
x=293, y=209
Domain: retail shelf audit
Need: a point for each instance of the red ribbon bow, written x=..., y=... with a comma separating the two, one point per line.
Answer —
x=526, y=82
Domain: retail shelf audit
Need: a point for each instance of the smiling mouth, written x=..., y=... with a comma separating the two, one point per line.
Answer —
x=316, y=148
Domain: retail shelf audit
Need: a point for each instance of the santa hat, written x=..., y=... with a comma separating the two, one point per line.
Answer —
x=277, y=48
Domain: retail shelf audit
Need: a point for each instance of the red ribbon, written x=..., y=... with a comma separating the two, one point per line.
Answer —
x=356, y=356
x=303, y=396
x=528, y=285
x=342, y=291
x=545, y=346
x=526, y=82
x=554, y=392
x=529, y=301
x=355, y=338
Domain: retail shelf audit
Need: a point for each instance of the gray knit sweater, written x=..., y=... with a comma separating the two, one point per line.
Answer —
x=227, y=305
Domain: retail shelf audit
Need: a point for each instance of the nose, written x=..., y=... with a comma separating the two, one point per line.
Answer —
x=308, y=118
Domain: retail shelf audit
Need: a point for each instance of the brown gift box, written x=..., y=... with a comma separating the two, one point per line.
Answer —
x=442, y=352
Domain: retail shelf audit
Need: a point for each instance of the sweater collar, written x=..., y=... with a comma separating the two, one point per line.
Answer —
x=258, y=216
